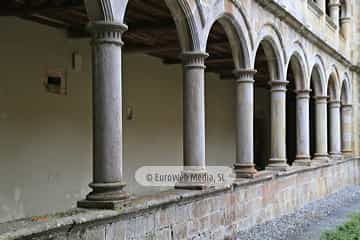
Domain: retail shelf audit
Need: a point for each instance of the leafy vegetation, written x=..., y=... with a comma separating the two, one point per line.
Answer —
x=348, y=231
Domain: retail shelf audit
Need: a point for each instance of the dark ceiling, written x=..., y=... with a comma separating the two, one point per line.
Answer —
x=151, y=30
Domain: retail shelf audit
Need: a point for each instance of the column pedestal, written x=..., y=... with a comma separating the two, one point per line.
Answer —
x=194, y=120
x=108, y=181
x=244, y=166
x=302, y=128
x=278, y=161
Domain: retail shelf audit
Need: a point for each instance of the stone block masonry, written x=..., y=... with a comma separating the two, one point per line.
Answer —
x=217, y=213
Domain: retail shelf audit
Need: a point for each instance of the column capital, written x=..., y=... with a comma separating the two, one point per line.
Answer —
x=334, y=103
x=347, y=106
x=345, y=19
x=194, y=59
x=244, y=75
x=303, y=93
x=320, y=99
x=107, y=32
x=334, y=4
x=278, y=85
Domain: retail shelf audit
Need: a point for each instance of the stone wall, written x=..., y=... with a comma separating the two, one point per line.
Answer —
x=178, y=214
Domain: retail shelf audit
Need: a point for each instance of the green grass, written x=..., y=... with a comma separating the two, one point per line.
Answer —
x=348, y=231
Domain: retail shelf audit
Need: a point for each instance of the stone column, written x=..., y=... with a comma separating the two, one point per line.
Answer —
x=321, y=136
x=278, y=160
x=334, y=6
x=335, y=131
x=303, y=128
x=345, y=26
x=346, y=129
x=107, y=182
x=322, y=5
x=244, y=166
x=194, y=117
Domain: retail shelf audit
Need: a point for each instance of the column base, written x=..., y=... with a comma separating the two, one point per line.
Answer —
x=302, y=161
x=245, y=171
x=321, y=158
x=193, y=180
x=277, y=164
x=336, y=156
x=104, y=196
x=347, y=153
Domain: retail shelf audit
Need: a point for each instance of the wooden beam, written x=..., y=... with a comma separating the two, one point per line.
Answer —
x=47, y=21
x=172, y=47
x=29, y=9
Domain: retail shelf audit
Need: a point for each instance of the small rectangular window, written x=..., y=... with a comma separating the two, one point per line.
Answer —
x=55, y=82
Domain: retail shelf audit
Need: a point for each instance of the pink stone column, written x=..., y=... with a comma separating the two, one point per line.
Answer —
x=278, y=160
x=303, y=128
x=108, y=181
x=194, y=117
x=244, y=166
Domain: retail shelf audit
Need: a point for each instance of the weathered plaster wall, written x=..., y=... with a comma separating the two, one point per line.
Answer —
x=46, y=139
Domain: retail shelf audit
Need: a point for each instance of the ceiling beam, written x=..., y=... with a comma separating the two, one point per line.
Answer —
x=172, y=47
x=30, y=9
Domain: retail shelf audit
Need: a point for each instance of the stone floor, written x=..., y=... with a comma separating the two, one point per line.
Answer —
x=309, y=222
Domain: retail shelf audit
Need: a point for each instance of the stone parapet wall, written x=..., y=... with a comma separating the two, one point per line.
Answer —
x=178, y=214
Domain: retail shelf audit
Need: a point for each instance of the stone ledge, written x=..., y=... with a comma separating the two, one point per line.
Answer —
x=31, y=227
x=82, y=218
x=314, y=7
x=330, y=23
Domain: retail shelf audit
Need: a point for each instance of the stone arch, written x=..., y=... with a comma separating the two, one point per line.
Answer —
x=333, y=89
x=274, y=51
x=231, y=17
x=318, y=76
x=114, y=11
x=346, y=90
x=298, y=62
